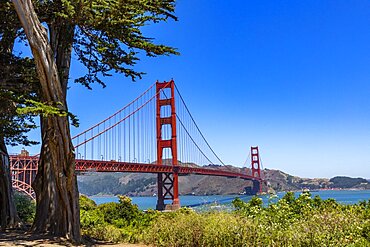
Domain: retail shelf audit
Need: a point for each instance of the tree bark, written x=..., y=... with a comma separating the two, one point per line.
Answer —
x=8, y=212
x=57, y=211
x=61, y=41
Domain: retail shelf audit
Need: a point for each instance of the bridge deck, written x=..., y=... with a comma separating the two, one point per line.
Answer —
x=22, y=163
x=116, y=166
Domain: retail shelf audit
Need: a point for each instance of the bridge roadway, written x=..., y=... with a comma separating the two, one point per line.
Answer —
x=117, y=166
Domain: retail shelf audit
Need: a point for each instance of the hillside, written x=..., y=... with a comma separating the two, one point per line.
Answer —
x=137, y=184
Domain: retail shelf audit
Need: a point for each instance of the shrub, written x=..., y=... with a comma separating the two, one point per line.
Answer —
x=86, y=203
x=176, y=229
x=253, y=207
x=291, y=221
x=26, y=207
x=122, y=221
x=366, y=231
x=302, y=221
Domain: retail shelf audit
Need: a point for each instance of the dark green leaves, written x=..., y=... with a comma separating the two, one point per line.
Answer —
x=108, y=36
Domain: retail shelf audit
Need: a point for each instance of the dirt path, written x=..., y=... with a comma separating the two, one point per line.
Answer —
x=19, y=238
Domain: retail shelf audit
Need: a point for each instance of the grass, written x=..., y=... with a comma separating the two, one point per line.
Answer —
x=302, y=221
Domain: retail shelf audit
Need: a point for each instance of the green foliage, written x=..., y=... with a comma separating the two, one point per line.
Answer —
x=35, y=108
x=302, y=221
x=114, y=222
x=250, y=208
x=44, y=109
x=14, y=126
x=289, y=197
x=107, y=35
x=18, y=81
x=86, y=203
x=291, y=221
x=26, y=207
x=366, y=231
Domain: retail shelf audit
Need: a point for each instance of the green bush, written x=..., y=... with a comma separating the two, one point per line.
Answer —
x=253, y=207
x=122, y=221
x=176, y=229
x=26, y=207
x=291, y=221
x=366, y=231
x=86, y=203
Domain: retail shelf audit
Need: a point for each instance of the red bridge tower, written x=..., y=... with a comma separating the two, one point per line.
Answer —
x=168, y=184
x=256, y=171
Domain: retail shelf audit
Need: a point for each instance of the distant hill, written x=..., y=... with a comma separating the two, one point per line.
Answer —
x=347, y=182
x=138, y=184
x=114, y=183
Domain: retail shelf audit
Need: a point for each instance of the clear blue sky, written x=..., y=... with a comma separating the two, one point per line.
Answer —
x=289, y=76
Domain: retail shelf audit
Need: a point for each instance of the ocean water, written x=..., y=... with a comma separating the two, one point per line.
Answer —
x=149, y=202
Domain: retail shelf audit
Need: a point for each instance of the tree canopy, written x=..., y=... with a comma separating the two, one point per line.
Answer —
x=105, y=35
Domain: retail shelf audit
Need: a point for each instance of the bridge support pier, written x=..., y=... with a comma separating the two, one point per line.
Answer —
x=257, y=187
x=168, y=183
x=166, y=191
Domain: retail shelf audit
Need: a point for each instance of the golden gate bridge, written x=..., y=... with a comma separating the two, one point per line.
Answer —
x=155, y=133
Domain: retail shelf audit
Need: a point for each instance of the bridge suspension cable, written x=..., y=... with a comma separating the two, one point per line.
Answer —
x=193, y=147
x=247, y=160
x=126, y=136
x=115, y=114
x=196, y=125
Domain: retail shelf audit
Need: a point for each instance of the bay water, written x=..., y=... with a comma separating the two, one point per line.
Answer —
x=149, y=202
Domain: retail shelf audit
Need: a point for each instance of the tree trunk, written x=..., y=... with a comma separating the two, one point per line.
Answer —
x=55, y=184
x=57, y=211
x=61, y=41
x=8, y=212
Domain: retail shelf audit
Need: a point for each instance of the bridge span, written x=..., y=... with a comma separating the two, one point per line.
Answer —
x=149, y=135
